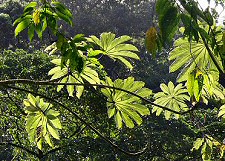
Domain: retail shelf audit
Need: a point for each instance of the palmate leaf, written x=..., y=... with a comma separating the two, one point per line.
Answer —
x=116, y=48
x=41, y=121
x=187, y=57
x=63, y=74
x=123, y=106
x=172, y=97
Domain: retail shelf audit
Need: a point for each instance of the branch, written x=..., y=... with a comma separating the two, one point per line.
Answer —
x=83, y=121
x=28, y=81
x=56, y=149
x=21, y=147
x=211, y=54
x=78, y=131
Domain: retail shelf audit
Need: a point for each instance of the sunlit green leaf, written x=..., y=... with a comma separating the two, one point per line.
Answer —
x=31, y=6
x=53, y=131
x=42, y=121
x=115, y=47
x=118, y=120
x=172, y=97
x=70, y=88
x=31, y=31
x=88, y=74
x=198, y=143
x=125, y=107
x=221, y=111
x=187, y=57
x=22, y=25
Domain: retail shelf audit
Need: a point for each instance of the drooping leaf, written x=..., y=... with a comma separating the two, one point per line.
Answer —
x=168, y=19
x=206, y=152
x=53, y=131
x=151, y=40
x=31, y=31
x=198, y=143
x=20, y=19
x=70, y=88
x=221, y=111
x=206, y=145
x=111, y=112
x=62, y=8
x=30, y=6
x=62, y=12
x=118, y=120
x=22, y=25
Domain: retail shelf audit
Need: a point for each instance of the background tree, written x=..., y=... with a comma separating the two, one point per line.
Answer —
x=194, y=103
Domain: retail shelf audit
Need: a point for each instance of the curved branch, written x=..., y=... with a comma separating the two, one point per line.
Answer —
x=83, y=121
x=21, y=147
x=28, y=81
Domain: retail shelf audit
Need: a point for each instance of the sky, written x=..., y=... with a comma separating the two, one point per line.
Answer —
x=204, y=4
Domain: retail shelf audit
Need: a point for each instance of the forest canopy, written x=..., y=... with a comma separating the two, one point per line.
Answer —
x=111, y=80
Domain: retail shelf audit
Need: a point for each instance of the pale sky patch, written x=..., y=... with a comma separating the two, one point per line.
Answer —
x=204, y=4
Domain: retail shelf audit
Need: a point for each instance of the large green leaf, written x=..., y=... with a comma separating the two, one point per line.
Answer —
x=189, y=56
x=172, y=97
x=116, y=48
x=202, y=86
x=124, y=106
x=207, y=144
x=41, y=121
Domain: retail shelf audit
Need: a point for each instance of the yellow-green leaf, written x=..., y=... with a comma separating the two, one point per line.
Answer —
x=22, y=25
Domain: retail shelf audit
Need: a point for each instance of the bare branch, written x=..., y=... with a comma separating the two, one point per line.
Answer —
x=28, y=81
x=21, y=147
x=83, y=121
